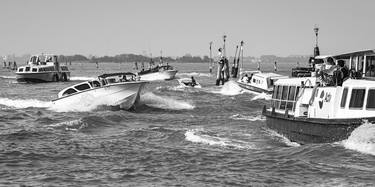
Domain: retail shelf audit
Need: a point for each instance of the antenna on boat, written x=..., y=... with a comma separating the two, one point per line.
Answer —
x=210, y=61
x=316, y=48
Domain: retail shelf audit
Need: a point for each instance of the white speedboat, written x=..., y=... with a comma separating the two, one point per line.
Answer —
x=115, y=89
x=188, y=83
x=43, y=68
x=328, y=105
x=160, y=72
x=257, y=81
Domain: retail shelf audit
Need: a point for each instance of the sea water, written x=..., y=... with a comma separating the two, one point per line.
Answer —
x=209, y=136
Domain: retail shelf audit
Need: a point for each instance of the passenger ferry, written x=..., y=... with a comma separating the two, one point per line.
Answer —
x=43, y=68
x=115, y=89
x=257, y=81
x=328, y=105
x=160, y=72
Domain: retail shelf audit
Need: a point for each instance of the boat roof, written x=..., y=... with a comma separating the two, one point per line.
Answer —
x=368, y=52
x=359, y=83
x=269, y=75
x=115, y=74
x=297, y=81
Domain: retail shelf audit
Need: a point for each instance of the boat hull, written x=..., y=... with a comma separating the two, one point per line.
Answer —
x=161, y=75
x=253, y=88
x=43, y=77
x=311, y=130
x=123, y=95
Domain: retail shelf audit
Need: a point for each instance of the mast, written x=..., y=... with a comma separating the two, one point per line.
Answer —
x=210, y=61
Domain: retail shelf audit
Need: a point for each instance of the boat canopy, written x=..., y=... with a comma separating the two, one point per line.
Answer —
x=369, y=52
x=116, y=74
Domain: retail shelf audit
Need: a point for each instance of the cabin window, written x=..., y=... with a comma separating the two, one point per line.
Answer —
x=370, y=66
x=82, y=87
x=35, y=69
x=20, y=70
x=27, y=69
x=69, y=91
x=96, y=84
x=292, y=92
x=371, y=99
x=356, y=100
x=343, y=98
x=279, y=89
x=274, y=92
x=284, y=95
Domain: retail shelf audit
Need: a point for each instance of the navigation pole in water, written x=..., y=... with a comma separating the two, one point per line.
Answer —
x=240, y=55
x=210, y=61
x=316, y=48
x=234, y=74
x=223, y=66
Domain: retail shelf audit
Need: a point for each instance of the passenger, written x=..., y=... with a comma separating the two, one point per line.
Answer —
x=251, y=76
x=245, y=79
x=193, y=82
x=343, y=69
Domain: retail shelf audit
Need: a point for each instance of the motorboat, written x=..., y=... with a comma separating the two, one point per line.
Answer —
x=43, y=68
x=188, y=83
x=328, y=105
x=114, y=89
x=258, y=81
x=160, y=72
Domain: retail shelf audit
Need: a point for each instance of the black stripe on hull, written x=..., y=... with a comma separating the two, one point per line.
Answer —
x=254, y=89
x=312, y=130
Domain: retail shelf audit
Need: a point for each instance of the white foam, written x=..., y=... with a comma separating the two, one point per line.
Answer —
x=262, y=95
x=86, y=105
x=248, y=118
x=24, y=103
x=194, y=74
x=231, y=88
x=362, y=139
x=196, y=136
x=8, y=77
x=81, y=78
x=283, y=138
x=153, y=100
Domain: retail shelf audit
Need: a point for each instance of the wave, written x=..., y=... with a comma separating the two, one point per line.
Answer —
x=248, y=118
x=8, y=77
x=282, y=138
x=231, y=88
x=263, y=95
x=81, y=107
x=362, y=139
x=156, y=101
x=81, y=78
x=194, y=74
x=73, y=125
x=197, y=136
x=25, y=103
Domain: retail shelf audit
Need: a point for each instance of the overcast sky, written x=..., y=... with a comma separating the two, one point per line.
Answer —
x=109, y=27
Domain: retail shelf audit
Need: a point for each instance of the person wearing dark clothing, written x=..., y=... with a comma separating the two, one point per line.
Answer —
x=193, y=82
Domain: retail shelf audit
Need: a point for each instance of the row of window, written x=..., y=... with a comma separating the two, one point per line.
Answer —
x=27, y=69
x=284, y=97
x=357, y=98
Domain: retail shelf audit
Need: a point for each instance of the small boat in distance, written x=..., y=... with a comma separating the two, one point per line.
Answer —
x=188, y=83
x=160, y=72
x=327, y=106
x=257, y=81
x=43, y=68
x=114, y=89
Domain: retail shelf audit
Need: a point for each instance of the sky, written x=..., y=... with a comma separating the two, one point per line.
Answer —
x=179, y=27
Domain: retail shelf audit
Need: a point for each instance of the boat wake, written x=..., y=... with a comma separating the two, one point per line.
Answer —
x=198, y=136
x=24, y=103
x=73, y=125
x=362, y=139
x=168, y=103
x=81, y=107
x=259, y=96
x=8, y=77
x=282, y=138
x=230, y=88
x=194, y=74
x=81, y=78
x=248, y=118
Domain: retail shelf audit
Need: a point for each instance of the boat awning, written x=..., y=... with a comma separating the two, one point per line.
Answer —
x=116, y=74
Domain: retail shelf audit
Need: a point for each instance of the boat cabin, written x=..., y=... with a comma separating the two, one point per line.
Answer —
x=260, y=80
x=42, y=63
x=312, y=97
x=102, y=81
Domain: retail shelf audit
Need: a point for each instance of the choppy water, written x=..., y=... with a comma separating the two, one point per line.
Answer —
x=212, y=136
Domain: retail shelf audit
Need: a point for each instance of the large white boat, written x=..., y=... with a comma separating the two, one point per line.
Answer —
x=43, y=68
x=115, y=89
x=160, y=72
x=330, y=104
x=257, y=81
